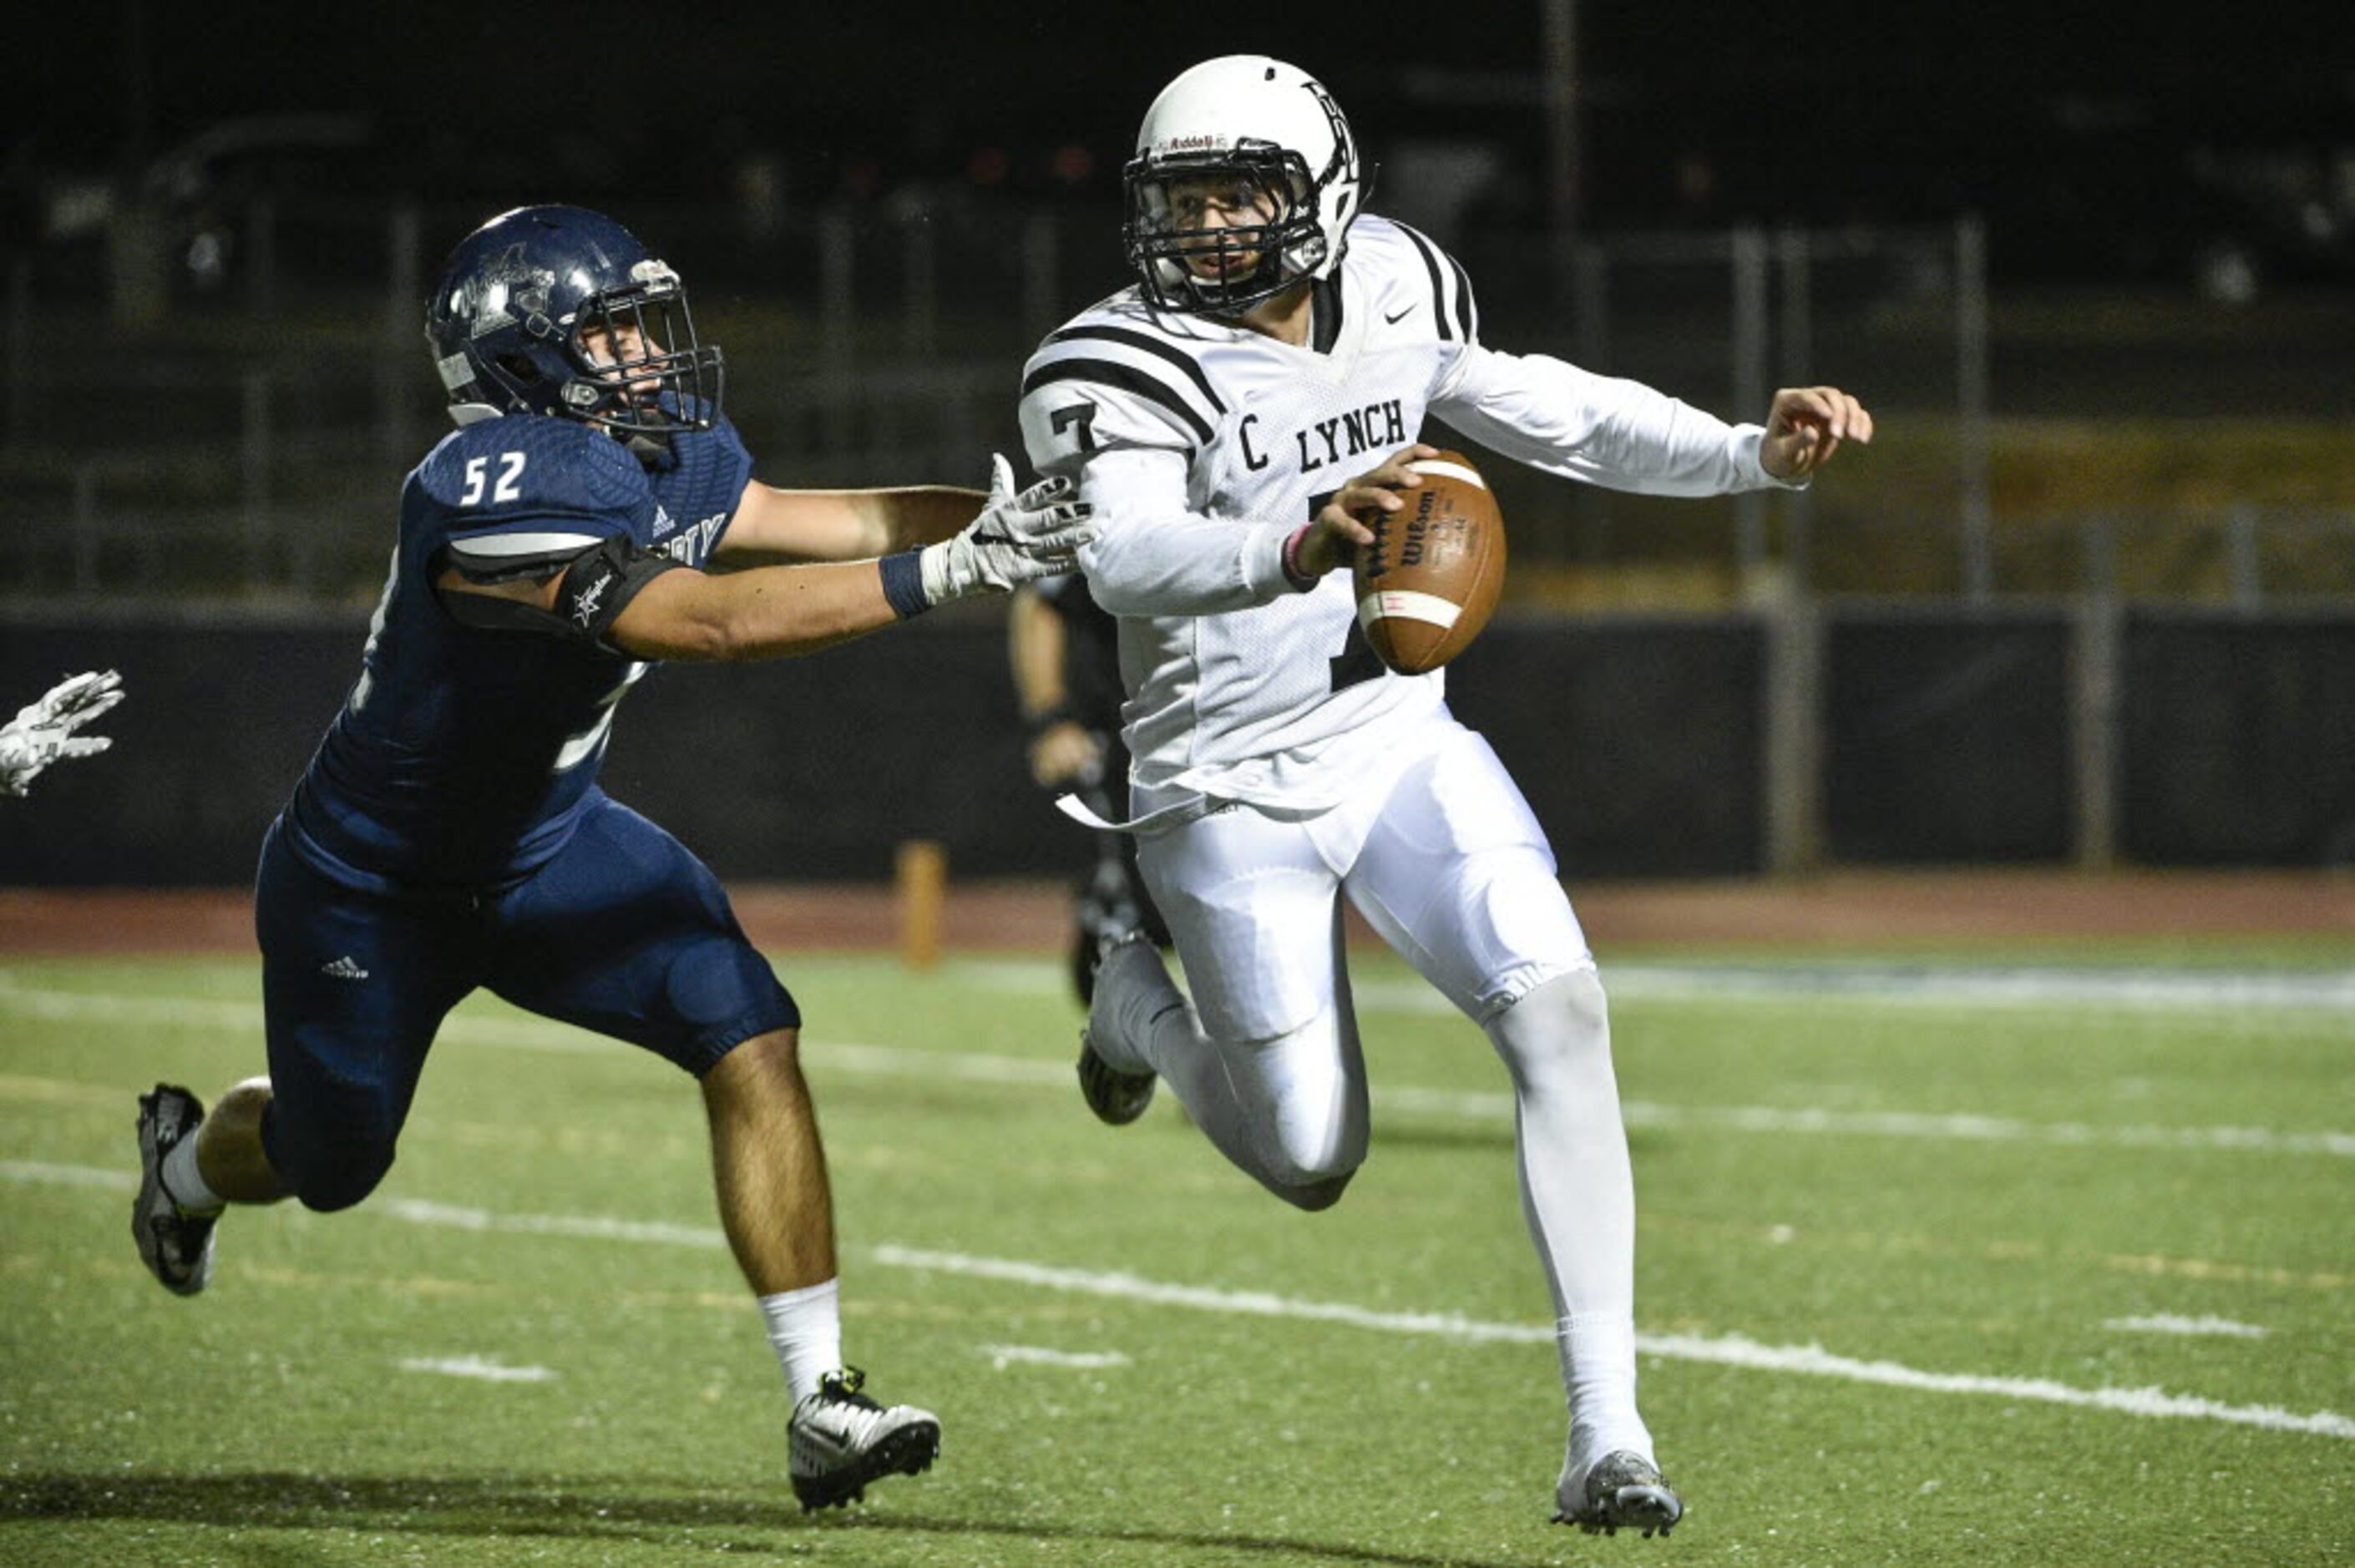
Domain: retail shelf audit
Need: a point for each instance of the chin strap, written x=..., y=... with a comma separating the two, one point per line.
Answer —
x=650, y=448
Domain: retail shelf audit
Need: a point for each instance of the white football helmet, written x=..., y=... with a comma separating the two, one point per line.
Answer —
x=1273, y=131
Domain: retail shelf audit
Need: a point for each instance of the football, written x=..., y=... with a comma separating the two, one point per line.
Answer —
x=1427, y=583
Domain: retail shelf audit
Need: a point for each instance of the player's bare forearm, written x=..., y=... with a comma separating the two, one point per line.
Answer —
x=1035, y=650
x=780, y=525
x=926, y=513
x=767, y=612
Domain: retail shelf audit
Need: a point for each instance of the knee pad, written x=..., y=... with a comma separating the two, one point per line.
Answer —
x=1311, y=1136
x=1315, y=1195
x=1563, y=1022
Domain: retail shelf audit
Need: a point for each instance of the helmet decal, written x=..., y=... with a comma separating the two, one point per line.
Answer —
x=508, y=280
x=1345, y=146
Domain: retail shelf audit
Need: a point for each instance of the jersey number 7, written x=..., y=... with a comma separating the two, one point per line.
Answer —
x=1357, y=661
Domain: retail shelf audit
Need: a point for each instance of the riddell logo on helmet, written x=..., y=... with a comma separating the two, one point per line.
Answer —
x=1191, y=143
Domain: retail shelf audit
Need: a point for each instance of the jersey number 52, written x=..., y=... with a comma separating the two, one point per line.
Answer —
x=507, y=487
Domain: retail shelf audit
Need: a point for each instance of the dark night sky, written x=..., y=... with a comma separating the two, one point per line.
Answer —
x=1833, y=106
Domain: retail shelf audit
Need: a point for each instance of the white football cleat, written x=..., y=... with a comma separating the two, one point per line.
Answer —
x=175, y=1245
x=1622, y=1490
x=840, y=1440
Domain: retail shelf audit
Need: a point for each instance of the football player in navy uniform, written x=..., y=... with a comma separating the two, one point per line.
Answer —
x=1265, y=379
x=450, y=832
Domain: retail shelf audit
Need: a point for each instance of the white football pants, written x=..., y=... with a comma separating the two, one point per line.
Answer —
x=1450, y=867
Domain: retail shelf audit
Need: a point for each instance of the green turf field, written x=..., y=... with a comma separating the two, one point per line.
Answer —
x=2042, y=1261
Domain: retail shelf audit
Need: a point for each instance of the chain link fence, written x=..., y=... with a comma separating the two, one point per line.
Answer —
x=242, y=429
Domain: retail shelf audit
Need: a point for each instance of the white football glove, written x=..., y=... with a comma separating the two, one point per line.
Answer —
x=1016, y=539
x=43, y=732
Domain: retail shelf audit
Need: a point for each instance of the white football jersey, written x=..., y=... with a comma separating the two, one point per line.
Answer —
x=1203, y=446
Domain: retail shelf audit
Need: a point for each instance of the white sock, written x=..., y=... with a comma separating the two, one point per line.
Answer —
x=184, y=1184
x=805, y=1330
x=1598, y=1372
x=1580, y=1199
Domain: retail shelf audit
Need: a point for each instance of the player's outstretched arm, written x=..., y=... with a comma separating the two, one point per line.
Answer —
x=43, y=731
x=773, y=525
x=651, y=607
x=767, y=612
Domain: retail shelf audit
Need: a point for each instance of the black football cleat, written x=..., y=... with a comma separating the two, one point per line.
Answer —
x=1116, y=1097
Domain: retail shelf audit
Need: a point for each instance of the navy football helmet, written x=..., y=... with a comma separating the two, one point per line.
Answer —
x=561, y=311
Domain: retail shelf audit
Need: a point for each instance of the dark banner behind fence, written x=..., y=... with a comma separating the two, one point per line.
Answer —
x=2238, y=739
x=1636, y=741
x=1640, y=742
x=1947, y=741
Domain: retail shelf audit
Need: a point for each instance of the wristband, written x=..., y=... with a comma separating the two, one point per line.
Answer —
x=1291, y=562
x=903, y=583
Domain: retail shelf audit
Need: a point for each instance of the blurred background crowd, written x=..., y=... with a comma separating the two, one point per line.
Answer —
x=2034, y=237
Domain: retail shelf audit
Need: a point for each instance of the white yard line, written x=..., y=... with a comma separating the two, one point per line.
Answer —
x=1982, y=1129
x=902, y=1062
x=2169, y=1323
x=476, y=1367
x=42, y=1173
x=1003, y=1356
x=2023, y=986
x=1727, y=1349
x=591, y=1227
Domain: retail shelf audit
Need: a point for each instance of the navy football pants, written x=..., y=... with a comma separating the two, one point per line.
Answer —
x=623, y=932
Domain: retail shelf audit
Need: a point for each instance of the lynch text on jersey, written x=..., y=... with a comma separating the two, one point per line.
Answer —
x=1376, y=427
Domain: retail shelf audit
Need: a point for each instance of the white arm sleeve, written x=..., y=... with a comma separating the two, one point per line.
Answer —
x=1153, y=556
x=1616, y=433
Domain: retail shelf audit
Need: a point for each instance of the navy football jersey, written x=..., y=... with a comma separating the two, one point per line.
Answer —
x=463, y=755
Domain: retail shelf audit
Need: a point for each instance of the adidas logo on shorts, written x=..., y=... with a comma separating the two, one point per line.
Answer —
x=344, y=968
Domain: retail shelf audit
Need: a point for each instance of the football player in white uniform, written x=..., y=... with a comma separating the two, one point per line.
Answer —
x=1227, y=415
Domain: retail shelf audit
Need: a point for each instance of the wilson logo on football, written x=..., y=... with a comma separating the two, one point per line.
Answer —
x=1426, y=585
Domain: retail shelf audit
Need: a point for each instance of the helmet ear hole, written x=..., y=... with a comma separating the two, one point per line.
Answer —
x=519, y=368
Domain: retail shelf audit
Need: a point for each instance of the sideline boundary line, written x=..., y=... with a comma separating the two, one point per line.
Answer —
x=1723, y=1349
